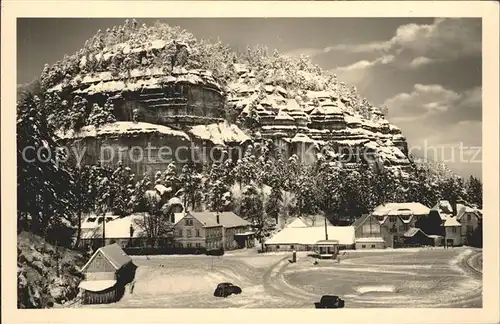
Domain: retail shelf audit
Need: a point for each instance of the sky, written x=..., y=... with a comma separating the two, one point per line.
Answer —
x=427, y=71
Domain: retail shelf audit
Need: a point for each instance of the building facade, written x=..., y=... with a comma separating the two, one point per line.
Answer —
x=212, y=230
x=370, y=234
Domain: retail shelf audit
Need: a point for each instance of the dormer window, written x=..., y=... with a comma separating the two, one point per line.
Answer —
x=392, y=219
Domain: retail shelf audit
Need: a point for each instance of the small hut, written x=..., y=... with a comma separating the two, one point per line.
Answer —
x=327, y=249
x=106, y=274
x=416, y=237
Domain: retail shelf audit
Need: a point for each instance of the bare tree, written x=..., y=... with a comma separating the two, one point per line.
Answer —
x=155, y=224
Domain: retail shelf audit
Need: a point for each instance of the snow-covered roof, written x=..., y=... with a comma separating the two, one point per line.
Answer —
x=93, y=220
x=226, y=219
x=122, y=128
x=396, y=209
x=220, y=133
x=311, y=235
x=451, y=221
x=412, y=231
x=113, y=253
x=297, y=223
x=118, y=228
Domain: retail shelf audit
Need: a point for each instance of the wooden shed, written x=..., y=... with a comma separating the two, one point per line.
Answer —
x=416, y=237
x=106, y=274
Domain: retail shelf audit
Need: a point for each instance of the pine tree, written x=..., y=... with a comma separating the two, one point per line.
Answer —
x=217, y=189
x=101, y=115
x=138, y=201
x=122, y=187
x=474, y=189
x=43, y=178
x=170, y=178
x=190, y=183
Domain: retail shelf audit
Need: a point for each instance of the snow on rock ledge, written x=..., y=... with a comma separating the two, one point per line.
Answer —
x=122, y=128
x=220, y=133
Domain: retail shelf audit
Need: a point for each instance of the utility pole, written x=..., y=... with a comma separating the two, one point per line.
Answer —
x=326, y=230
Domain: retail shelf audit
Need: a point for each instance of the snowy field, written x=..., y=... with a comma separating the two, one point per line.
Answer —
x=397, y=278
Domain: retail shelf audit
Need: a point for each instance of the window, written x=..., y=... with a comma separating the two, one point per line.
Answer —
x=405, y=226
x=180, y=232
x=277, y=247
x=198, y=245
x=189, y=222
x=91, y=219
x=469, y=217
x=363, y=246
x=371, y=228
x=470, y=228
x=373, y=246
x=393, y=229
x=189, y=245
x=292, y=247
x=392, y=219
x=188, y=233
x=453, y=229
x=197, y=232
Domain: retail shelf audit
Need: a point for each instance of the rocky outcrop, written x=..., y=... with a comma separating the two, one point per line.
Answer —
x=163, y=77
x=46, y=276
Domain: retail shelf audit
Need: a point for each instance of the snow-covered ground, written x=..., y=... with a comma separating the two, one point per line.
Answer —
x=397, y=278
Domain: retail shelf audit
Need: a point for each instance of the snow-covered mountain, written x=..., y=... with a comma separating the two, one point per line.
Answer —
x=162, y=76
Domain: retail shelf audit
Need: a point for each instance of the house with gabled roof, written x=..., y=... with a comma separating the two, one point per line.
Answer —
x=470, y=219
x=398, y=218
x=370, y=234
x=212, y=230
x=106, y=274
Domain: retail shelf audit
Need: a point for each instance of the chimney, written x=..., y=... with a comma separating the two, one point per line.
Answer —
x=454, y=207
x=218, y=219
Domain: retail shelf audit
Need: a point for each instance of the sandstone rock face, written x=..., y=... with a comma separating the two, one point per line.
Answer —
x=303, y=111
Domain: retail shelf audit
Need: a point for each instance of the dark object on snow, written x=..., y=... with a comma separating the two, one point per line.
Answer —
x=225, y=289
x=315, y=262
x=330, y=301
x=215, y=252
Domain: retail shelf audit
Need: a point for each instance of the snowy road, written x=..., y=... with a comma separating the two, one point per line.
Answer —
x=416, y=278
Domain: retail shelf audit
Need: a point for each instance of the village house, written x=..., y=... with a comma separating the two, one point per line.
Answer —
x=398, y=218
x=370, y=234
x=452, y=230
x=125, y=232
x=304, y=234
x=211, y=230
x=470, y=219
x=106, y=274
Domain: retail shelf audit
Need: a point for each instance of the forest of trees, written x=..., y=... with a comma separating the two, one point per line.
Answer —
x=53, y=194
